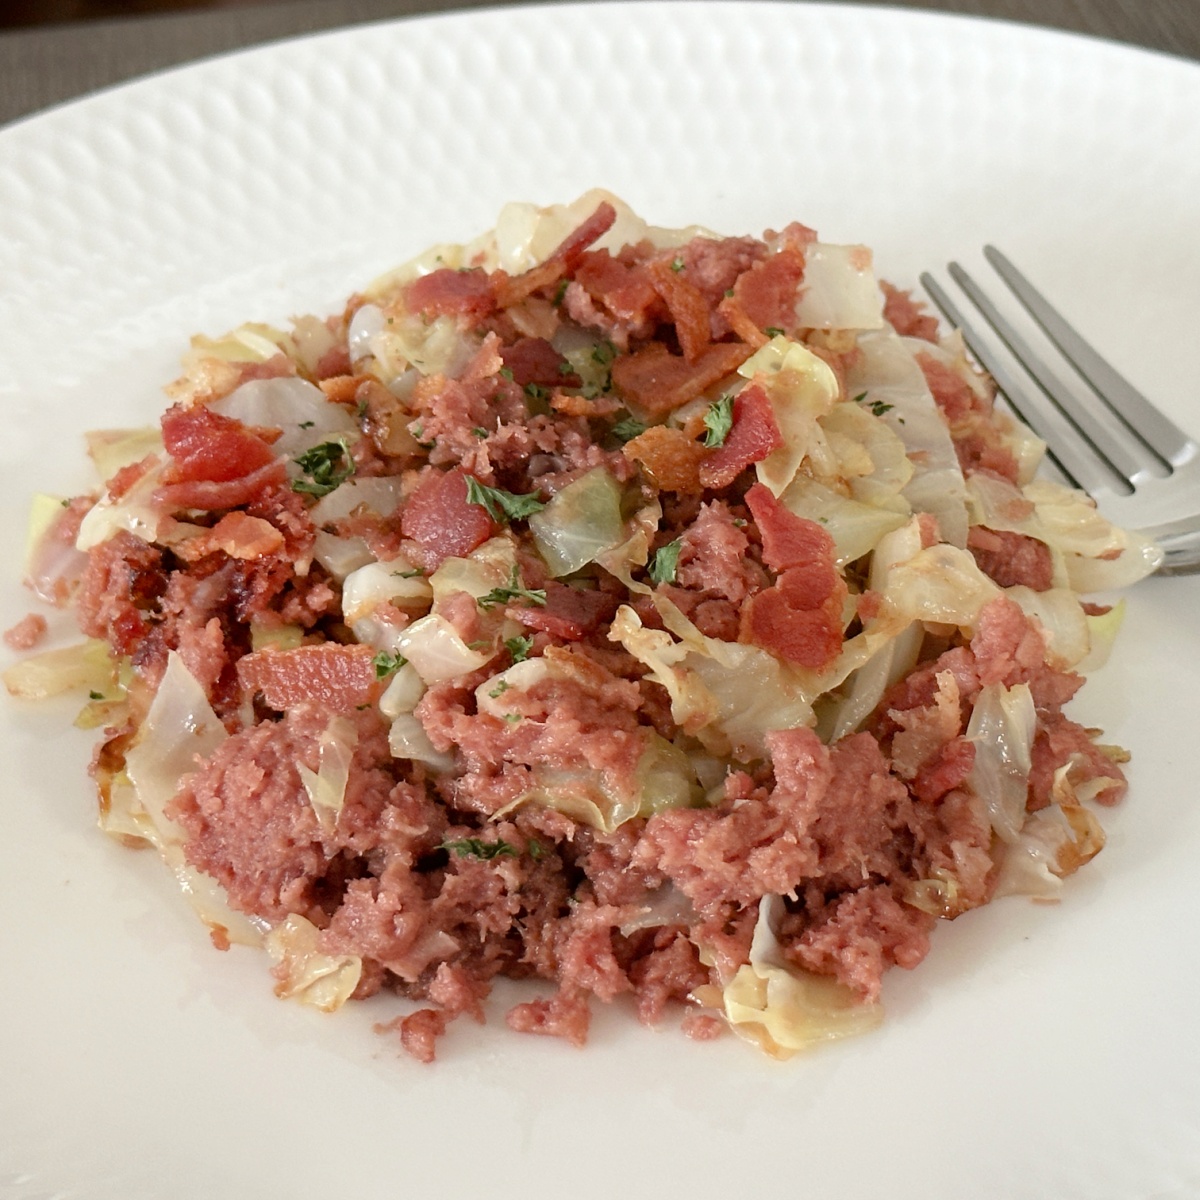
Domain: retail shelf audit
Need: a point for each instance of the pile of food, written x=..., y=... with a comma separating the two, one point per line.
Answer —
x=646, y=612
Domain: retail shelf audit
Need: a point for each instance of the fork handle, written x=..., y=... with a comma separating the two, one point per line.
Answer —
x=1180, y=542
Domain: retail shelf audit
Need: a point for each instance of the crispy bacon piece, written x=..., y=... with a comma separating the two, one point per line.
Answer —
x=800, y=618
x=339, y=677
x=625, y=289
x=753, y=436
x=238, y=535
x=671, y=458
x=450, y=292
x=211, y=495
x=508, y=289
x=206, y=445
x=767, y=292
x=535, y=360
x=439, y=519
x=569, y=613
x=687, y=306
x=658, y=381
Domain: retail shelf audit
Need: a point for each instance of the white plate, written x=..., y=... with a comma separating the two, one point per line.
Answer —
x=1040, y=1051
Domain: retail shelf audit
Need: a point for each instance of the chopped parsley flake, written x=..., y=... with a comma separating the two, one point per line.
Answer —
x=560, y=291
x=95, y=695
x=501, y=505
x=718, y=421
x=677, y=264
x=478, y=848
x=506, y=372
x=480, y=432
x=666, y=562
x=773, y=331
x=417, y=573
x=326, y=466
x=514, y=591
x=535, y=391
x=519, y=647
x=387, y=664
x=628, y=428
x=499, y=690
x=536, y=850
x=307, y=424
x=512, y=718
x=877, y=407
x=604, y=352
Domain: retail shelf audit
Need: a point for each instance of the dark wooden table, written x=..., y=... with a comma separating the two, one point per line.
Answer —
x=48, y=65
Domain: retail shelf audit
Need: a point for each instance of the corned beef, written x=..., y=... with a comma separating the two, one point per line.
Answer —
x=481, y=768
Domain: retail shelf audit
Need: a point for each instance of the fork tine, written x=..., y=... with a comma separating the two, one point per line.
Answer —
x=1144, y=421
x=1073, y=455
x=1107, y=435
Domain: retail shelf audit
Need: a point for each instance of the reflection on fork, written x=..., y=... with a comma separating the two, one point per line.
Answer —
x=1104, y=435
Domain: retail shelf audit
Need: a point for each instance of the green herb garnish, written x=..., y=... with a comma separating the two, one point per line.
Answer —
x=877, y=407
x=499, y=690
x=519, y=647
x=95, y=695
x=536, y=850
x=478, y=848
x=387, y=664
x=326, y=466
x=628, y=428
x=480, y=432
x=773, y=331
x=513, y=591
x=666, y=562
x=415, y=574
x=501, y=505
x=535, y=391
x=677, y=264
x=718, y=421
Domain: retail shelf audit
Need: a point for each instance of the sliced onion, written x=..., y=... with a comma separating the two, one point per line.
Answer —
x=300, y=409
x=407, y=739
x=437, y=652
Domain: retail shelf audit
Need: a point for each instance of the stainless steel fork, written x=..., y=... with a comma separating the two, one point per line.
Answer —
x=1142, y=470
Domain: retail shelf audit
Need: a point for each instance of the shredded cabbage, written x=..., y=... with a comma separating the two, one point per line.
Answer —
x=784, y=1010
x=67, y=668
x=1002, y=728
x=112, y=449
x=305, y=972
x=839, y=289
x=179, y=730
x=326, y=786
x=580, y=523
x=890, y=381
x=801, y=388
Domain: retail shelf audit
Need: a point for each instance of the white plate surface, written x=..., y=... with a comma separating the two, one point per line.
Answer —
x=1039, y=1051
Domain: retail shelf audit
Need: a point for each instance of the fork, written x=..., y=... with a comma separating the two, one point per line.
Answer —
x=1142, y=470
